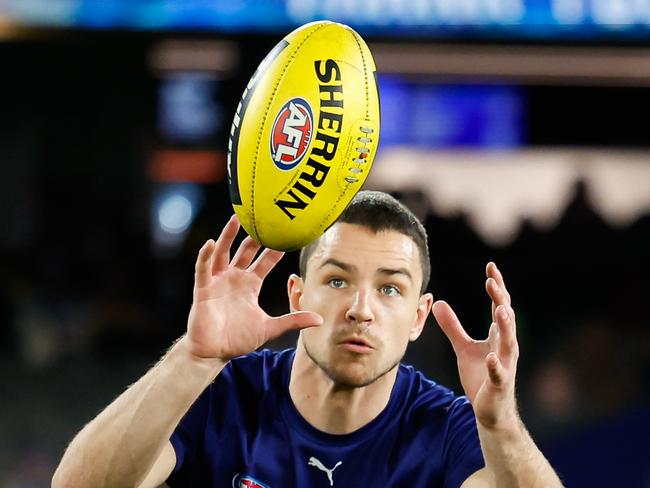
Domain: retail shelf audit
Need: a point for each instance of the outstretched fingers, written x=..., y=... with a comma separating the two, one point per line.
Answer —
x=265, y=262
x=203, y=267
x=503, y=332
x=498, y=296
x=246, y=253
x=496, y=286
x=496, y=371
x=496, y=289
x=493, y=271
x=507, y=344
x=450, y=325
x=221, y=253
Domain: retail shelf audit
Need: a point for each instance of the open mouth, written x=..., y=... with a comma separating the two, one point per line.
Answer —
x=356, y=345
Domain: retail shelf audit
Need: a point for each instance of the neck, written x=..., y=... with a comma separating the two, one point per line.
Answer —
x=333, y=408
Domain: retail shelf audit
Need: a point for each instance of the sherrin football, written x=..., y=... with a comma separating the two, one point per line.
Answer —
x=304, y=135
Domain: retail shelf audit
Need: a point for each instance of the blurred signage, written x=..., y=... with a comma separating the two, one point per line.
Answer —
x=188, y=111
x=420, y=114
x=435, y=18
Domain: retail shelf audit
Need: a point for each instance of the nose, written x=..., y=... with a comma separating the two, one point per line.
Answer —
x=360, y=310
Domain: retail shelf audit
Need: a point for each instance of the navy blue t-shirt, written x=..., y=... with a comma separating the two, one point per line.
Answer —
x=244, y=431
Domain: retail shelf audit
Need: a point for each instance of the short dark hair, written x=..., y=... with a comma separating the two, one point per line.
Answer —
x=380, y=211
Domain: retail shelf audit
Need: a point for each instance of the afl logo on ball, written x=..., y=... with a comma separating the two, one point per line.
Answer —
x=291, y=133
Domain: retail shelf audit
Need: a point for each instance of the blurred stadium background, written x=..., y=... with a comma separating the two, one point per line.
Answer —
x=517, y=130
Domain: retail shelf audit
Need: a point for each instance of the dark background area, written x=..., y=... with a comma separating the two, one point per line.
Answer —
x=87, y=305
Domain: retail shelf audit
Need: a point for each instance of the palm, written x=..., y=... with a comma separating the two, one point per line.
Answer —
x=471, y=367
x=226, y=320
x=487, y=368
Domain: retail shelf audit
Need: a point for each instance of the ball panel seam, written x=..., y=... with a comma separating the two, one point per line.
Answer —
x=262, y=126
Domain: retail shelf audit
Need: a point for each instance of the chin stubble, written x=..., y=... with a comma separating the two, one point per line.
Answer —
x=337, y=381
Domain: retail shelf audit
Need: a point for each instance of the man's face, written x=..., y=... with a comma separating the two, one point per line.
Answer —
x=366, y=286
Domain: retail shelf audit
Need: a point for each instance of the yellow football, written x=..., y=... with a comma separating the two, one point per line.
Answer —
x=304, y=135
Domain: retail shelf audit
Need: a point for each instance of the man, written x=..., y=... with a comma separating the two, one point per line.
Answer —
x=339, y=410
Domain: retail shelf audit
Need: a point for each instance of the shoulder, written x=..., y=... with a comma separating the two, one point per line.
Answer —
x=257, y=370
x=428, y=401
x=246, y=385
x=439, y=424
x=425, y=392
x=264, y=359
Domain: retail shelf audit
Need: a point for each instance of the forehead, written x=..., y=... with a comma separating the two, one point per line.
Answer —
x=358, y=245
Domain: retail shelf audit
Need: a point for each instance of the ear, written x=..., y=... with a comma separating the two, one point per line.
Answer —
x=294, y=290
x=421, y=314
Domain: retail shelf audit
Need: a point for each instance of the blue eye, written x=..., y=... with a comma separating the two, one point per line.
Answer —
x=337, y=283
x=389, y=290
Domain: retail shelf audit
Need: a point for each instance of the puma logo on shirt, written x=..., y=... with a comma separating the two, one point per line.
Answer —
x=329, y=472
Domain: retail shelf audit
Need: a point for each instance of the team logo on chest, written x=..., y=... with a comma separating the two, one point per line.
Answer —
x=329, y=472
x=291, y=133
x=245, y=481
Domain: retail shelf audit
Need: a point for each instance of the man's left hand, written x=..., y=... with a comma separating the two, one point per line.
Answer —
x=487, y=367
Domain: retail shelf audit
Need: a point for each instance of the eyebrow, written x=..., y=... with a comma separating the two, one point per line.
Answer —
x=338, y=264
x=351, y=267
x=402, y=271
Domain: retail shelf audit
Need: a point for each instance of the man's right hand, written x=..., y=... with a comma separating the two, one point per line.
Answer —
x=226, y=320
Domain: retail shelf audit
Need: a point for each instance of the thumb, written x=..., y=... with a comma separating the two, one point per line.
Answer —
x=450, y=325
x=292, y=321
